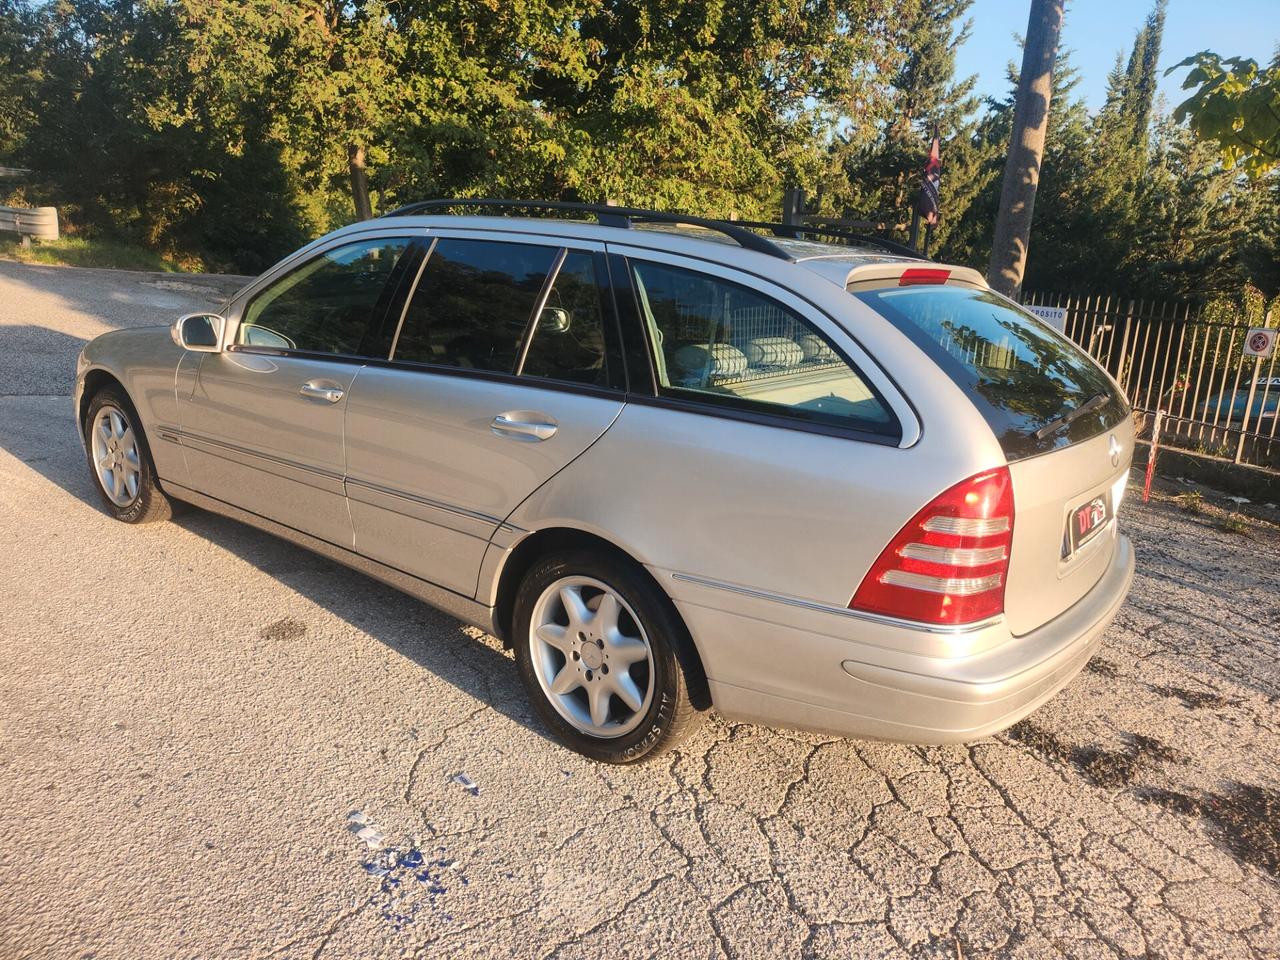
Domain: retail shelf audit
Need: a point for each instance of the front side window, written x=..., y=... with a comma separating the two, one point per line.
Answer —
x=720, y=342
x=473, y=303
x=330, y=304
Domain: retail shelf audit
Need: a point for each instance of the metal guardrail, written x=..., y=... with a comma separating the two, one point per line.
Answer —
x=40, y=223
x=1216, y=400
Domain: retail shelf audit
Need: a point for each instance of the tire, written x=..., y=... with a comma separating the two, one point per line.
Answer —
x=548, y=640
x=132, y=494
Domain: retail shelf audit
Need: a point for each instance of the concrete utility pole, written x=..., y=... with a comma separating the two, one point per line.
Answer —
x=1026, y=148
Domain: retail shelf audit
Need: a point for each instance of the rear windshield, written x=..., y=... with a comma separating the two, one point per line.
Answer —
x=1022, y=375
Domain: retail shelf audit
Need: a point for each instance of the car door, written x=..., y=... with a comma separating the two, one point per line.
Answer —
x=262, y=421
x=504, y=369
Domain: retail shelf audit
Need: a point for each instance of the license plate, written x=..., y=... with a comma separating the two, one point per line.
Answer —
x=1086, y=520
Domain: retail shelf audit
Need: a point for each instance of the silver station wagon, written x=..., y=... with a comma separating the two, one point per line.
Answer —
x=674, y=463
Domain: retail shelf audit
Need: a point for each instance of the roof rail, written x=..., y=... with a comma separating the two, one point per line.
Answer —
x=609, y=216
x=792, y=229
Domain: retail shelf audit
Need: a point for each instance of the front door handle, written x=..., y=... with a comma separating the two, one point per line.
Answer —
x=523, y=426
x=321, y=392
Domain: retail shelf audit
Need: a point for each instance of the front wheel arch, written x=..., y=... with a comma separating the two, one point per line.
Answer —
x=94, y=381
x=554, y=539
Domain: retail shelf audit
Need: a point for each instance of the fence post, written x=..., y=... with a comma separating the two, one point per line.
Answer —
x=1151, y=455
x=1126, y=364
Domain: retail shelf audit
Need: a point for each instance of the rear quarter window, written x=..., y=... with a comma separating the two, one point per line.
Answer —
x=721, y=344
x=1021, y=374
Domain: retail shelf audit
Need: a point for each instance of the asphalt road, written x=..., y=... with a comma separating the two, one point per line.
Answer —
x=190, y=712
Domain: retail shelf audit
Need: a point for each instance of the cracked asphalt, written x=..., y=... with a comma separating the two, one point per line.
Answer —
x=190, y=712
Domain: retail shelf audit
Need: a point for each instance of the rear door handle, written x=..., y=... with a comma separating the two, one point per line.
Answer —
x=523, y=426
x=321, y=392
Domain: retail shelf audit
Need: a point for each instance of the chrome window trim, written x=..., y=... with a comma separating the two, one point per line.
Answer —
x=950, y=629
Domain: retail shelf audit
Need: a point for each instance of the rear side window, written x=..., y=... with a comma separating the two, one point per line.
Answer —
x=473, y=303
x=1023, y=376
x=330, y=304
x=722, y=343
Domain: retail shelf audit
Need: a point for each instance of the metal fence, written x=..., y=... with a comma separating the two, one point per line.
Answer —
x=1218, y=402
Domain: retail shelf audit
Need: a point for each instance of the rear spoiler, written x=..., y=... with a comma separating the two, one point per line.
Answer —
x=907, y=273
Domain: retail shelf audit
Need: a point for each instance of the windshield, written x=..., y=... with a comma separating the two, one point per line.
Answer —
x=1022, y=375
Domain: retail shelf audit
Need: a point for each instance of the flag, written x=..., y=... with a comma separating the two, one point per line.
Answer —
x=929, y=203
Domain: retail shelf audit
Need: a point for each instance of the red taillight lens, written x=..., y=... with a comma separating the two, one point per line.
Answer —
x=950, y=563
x=918, y=275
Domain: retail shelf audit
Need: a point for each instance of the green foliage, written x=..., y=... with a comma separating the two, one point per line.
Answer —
x=236, y=129
x=1131, y=203
x=1236, y=105
x=227, y=132
x=882, y=178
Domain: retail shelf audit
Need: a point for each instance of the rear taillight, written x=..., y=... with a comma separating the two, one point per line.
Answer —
x=950, y=563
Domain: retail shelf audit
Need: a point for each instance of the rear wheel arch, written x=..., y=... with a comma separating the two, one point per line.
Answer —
x=539, y=544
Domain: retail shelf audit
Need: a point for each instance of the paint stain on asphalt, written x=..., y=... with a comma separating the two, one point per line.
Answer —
x=409, y=879
x=283, y=630
x=1245, y=819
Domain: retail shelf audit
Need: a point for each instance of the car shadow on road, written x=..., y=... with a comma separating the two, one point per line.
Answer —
x=431, y=639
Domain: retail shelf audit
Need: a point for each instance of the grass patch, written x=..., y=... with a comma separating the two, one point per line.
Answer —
x=1192, y=502
x=81, y=252
x=1234, y=523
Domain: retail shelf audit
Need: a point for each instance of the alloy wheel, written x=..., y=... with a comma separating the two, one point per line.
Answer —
x=592, y=657
x=116, y=461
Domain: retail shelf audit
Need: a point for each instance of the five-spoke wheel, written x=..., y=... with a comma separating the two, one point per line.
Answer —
x=120, y=459
x=114, y=448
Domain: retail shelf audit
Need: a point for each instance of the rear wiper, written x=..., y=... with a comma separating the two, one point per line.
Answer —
x=1093, y=403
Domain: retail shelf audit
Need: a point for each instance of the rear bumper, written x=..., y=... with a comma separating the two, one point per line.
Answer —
x=840, y=674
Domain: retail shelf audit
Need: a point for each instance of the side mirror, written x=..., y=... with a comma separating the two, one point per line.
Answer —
x=199, y=332
x=554, y=320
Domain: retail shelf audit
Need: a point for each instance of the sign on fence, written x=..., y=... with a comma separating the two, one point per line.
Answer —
x=1055, y=317
x=1260, y=342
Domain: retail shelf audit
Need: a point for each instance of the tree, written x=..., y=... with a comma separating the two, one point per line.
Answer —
x=329, y=69
x=714, y=107
x=1235, y=105
x=19, y=71
x=1026, y=148
x=884, y=176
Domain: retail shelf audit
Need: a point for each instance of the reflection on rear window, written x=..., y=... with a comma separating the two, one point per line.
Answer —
x=1020, y=374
